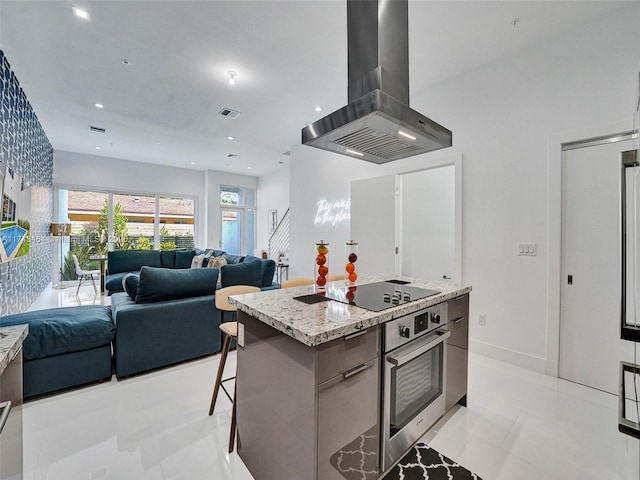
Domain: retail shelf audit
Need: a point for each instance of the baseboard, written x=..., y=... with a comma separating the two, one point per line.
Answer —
x=512, y=357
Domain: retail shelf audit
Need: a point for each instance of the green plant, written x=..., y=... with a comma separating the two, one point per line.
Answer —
x=143, y=243
x=120, y=232
x=167, y=245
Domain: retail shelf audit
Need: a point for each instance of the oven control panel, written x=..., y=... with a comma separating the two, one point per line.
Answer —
x=402, y=330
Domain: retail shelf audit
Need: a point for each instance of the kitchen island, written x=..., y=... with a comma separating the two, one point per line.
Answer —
x=310, y=378
x=11, y=339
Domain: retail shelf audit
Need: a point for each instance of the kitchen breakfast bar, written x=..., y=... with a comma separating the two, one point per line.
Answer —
x=340, y=385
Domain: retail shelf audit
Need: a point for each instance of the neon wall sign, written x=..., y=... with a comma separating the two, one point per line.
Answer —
x=333, y=213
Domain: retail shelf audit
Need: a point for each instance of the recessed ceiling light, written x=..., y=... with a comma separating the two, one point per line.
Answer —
x=249, y=168
x=98, y=148
x=318, y=108
x=78, y=12
x=98, y=105
x=193, y=163
x=230, y=137
x=125, y=62
x=232, y=77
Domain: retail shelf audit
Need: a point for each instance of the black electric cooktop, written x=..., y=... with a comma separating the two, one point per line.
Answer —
x=378, y=296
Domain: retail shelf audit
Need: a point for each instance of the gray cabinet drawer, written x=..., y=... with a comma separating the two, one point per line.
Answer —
x=459, y=322
x=348, y=425
x=345, y=353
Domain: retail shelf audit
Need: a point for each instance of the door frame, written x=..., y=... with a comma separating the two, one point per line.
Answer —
x=554, y=223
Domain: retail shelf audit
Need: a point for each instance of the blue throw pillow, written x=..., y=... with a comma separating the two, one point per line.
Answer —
x=184, y=258
x=233, y=258
x=130, y=284
x=162, y=284
x=167, y=258
x=268, y=269
x=249, y=273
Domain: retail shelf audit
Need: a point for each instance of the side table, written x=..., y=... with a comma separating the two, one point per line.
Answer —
x=282, y=269
x=103, y=269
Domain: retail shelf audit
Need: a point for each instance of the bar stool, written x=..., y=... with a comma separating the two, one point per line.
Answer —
x=336, y=276
x=296, y=282
x=230, y=332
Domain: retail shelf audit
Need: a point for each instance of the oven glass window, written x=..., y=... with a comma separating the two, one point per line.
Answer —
x=414, y=386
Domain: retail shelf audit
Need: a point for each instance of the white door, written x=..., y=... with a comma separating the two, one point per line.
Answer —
x=427, y=246
x=373, y=224
x=590, y=345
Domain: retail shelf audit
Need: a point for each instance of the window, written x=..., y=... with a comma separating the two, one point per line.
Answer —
x=238, y=220
x=104, y=221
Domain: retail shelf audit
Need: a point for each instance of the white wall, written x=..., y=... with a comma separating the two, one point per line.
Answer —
x=506, y=119
x=273, y=194
x=317, y=175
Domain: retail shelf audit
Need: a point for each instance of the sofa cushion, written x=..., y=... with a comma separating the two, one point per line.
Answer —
x=61, y=330
x=161, y=284
x=233, y=259
x=130, y=284
x=268, y=269
x=183, y=258
x=132, y=260
x=167, y=258
x=249, y=273
x=114, y=282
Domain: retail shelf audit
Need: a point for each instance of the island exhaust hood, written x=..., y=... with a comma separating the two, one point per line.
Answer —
x=377, y=125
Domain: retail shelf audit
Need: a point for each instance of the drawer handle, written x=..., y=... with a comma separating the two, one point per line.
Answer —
x=6, y=408
x=355, y=371
x=354, y=335
x=457, y=320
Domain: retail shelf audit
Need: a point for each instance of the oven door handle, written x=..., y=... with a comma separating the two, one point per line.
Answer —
x=425, y=345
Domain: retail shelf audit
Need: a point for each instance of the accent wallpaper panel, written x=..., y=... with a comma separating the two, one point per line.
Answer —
x=25, y=148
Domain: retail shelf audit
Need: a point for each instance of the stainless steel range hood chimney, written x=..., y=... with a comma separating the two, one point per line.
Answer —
x=377, y=125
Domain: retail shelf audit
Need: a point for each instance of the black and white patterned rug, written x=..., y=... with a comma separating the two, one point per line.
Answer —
x=424, y=463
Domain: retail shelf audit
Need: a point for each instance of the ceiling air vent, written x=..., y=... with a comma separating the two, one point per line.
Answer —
x=227, y=112
x=97, y=129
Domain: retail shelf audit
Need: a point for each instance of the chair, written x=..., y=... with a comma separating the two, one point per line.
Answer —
x=296, y=282
x=84, y=274
x=230, y=332
x=336, y=276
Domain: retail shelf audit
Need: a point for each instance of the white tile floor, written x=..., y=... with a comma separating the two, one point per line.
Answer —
x=519, y=425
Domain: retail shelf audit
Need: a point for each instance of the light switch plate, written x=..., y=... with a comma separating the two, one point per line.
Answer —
x=240, y=334
x=527, y=249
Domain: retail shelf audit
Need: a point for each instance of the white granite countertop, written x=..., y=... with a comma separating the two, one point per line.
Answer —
x=11, y=339
x=324, y=321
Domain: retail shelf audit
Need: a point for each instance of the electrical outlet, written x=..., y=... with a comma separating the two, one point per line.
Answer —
x=482, y=319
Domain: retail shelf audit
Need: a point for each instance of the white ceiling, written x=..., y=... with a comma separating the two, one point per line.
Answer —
x=290, y=56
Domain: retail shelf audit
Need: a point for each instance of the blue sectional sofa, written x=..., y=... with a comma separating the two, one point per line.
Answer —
x=65, y=347
x=122, y=262
x=167, y=314
x=170, y=318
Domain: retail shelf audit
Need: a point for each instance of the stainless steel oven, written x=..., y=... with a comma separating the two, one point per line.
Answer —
x=414, y=362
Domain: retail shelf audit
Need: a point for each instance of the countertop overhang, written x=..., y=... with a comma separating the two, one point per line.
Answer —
x=315, y=324
x=11, y=339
